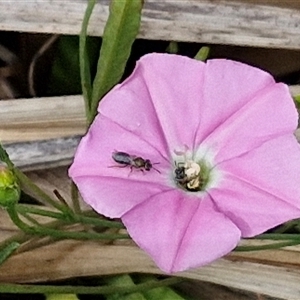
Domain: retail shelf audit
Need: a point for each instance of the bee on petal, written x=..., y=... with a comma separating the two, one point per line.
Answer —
x=133, y=161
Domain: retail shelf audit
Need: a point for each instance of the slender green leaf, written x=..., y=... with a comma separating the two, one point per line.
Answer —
x=5, y=158
x=65, y=74
x=202, y=54
x=297, y=100
x=6, y=252
x=119, y=34
x=173, y=48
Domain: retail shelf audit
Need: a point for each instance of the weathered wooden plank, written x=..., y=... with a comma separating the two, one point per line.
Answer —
x=43, y=133
x=74, y=259
x=43, y=154
x=45, y=118
x=25, y=120
x=216, y=22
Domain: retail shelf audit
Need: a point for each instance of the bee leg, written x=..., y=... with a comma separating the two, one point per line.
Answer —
x=131, y=167
x=117, y=166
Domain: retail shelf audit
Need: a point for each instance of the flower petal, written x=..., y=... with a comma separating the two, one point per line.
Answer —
x=113, y=197
x=107, y=186
x=234, y=116
x=94, y=154
x=270, y=114
x=227, y=87
x=181, y=231
x=261, y=188
x=160, y=101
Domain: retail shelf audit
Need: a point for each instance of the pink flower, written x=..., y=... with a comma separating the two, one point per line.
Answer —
x=228, y=164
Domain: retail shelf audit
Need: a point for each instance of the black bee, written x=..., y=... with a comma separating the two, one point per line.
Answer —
x=180, y=176
x=133, y=161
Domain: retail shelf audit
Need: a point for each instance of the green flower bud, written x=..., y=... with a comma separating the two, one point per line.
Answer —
x=9, y=188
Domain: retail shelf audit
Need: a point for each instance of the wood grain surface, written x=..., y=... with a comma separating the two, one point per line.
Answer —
x=272, y=24
x=76, y=259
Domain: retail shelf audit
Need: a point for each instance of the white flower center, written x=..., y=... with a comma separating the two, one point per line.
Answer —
x=193, y=172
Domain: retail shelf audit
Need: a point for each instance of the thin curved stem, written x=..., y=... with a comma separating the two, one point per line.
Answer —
x=85, y=73
x=279, y=236
x=75, y=198
x=60, y=234
x=267, y=247
x=21, y=208
x=25, y=181
x=30, y=219
x=71, y=218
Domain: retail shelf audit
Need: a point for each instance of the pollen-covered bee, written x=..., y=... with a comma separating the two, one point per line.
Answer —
x=180, y=176
x=133, y=161
x=187, y=175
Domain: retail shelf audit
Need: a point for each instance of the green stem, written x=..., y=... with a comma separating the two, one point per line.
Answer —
x=7, y=251
x=29, y=218
x=98, y=222
x=75, y=198
x=85, y=73
x=46, y=289
x=24, y=237
x=278, y=236
x=62, y=200
x=39, y=193
x=73, y=218
x=21, y=208
x=266, y=247
x=5, y=158
x=60, y=234
x=19, y=238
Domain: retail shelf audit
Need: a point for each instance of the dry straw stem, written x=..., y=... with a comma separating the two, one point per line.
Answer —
x=259, y=272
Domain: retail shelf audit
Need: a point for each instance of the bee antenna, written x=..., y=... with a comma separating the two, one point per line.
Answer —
x=156, y=170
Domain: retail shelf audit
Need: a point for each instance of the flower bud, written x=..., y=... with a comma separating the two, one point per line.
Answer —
x=9, y=188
